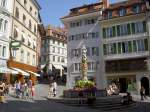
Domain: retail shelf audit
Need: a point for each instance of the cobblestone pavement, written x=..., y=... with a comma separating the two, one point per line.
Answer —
x=41, y=104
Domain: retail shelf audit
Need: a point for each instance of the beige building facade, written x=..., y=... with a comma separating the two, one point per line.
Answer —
x=25, y=20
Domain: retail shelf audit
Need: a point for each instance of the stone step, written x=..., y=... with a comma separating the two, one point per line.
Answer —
x=121, y=107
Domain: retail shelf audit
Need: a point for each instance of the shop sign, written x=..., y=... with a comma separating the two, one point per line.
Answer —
x=15, y=44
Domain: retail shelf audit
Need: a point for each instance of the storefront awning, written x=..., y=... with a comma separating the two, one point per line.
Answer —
x=58, y=67
x=38, y=75
x=21, y=71
x=8, y=70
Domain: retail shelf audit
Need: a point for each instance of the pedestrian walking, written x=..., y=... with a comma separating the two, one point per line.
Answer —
x=7, y=86
x=142, y=93
x=30, y=84
x=54, y=88
x=2, y=98
x=50, y=92
x=22, y=90
x=26, y=91
x=17, y=89
x=33, y=92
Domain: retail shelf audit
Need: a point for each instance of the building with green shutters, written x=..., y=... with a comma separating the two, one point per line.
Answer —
x=125, y=32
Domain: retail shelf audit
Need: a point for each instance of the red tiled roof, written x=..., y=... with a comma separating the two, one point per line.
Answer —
x=85, y=9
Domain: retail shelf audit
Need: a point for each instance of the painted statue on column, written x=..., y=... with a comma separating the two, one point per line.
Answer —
x=84, y=64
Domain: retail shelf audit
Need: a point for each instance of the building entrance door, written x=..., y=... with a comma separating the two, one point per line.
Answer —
x=123, y=85
x=145, y=84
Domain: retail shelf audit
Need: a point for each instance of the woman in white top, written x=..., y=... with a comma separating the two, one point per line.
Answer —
x=54, y=88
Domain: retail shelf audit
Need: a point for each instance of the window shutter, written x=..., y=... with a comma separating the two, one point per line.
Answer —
x=134, y=46
x=97, y=51
x=104, y=49
x=118, y=30
x=114, y=31
x=114, y=46
x=144, y=26
x=130, y=46
x=146, y=44
x=104, y=32
x=129, y=28
x=119, y=48
x=133, y=28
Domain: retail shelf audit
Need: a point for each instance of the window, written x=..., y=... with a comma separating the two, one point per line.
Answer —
x=136, y=8
x=1, y=24
x=25, y=2
x=15, y=33
x=35, y=29
x=111, y=48
x=30, y=25
x=109, y=32
x=14, y=53
x=105, y=49
x=58, y=59
x=24, y=19
x=62, y=60
x=22, y=56
x=76, y=24
x=30, y=9
x=53, y=58
x=3, y=3
x=77, y=52
x=28, y=57
x=17, y=13
x=29, y=41
x=33, y=60
x=122, y=12
x=53, y=50
x=139, y=27
x=34, y=44
x=35, y=14
x=90, y=21
x=109, y=14
x=140, y=45
x=22, y=38
x=58, y=50
x=76, y=66
x=123, y=29
x=4, y=51
x=5, y=25
x=95, y=51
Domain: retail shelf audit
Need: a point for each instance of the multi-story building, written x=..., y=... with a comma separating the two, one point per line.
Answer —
x=54, y=50
x=5, y=29
x=84, y=30
x=125, y=33
x=25, y=20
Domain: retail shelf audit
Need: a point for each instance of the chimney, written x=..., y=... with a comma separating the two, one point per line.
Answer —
x=105, y=3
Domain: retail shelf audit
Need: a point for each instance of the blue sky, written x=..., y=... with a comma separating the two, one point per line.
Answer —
x=52, y=10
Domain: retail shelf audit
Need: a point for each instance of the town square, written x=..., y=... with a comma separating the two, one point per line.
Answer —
x=74, y=56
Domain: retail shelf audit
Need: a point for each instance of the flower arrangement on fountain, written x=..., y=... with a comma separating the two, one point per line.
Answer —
x=85, y=86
